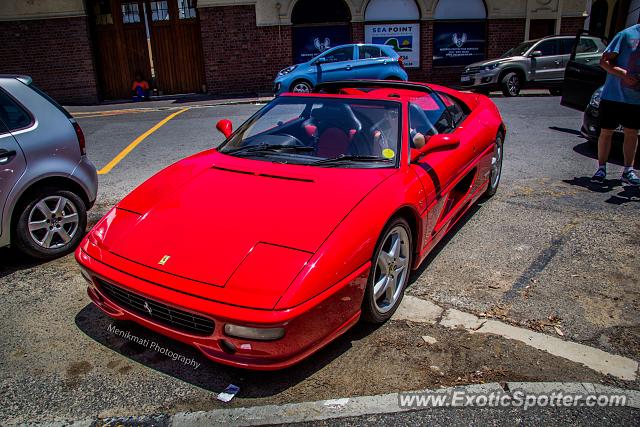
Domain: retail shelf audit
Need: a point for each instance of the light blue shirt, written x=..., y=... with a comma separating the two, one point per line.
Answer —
x=627, y=45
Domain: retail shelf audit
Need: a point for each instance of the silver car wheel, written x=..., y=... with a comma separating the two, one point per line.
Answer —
x=53, y=222
x=301, y=87
x=392, y=268
x=496, y=163
x=513, y=84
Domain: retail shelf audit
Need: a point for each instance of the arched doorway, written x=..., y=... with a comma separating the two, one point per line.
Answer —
x=396, y=23
x=459, y=32
x=318, y=26
x=598, y=18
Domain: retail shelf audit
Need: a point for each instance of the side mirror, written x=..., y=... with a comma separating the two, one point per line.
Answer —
x=321, y=60
x=440, y=142
x=535, y=54
x=225, y=127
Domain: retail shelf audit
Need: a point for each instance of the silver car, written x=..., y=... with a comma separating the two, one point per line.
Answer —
x=47, y=183
x=533, y=64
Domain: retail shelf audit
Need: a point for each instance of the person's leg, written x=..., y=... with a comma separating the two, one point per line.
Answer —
x=630, y=146
x=604, y=148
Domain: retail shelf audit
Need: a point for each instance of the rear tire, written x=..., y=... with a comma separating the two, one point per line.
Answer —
x=390, y=270
x=496, y=167
x=49, y=224
x=511, y=84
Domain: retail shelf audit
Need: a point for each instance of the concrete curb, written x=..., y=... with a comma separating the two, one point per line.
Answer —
x=345, y=407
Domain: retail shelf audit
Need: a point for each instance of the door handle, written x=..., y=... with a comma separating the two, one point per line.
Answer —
x=557, y=62
x=5, y=156
x=348, y=67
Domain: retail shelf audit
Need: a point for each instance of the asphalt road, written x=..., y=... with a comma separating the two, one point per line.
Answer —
x=549, y=245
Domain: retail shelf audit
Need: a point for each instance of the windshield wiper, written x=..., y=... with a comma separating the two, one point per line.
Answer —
x=270, y=147
x=351, y=158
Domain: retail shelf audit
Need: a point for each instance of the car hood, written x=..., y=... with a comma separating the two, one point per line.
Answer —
x=209, y=212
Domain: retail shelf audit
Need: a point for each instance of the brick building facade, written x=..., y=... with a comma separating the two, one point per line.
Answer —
x=244, y=42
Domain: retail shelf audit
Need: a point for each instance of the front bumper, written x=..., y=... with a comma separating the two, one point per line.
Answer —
x=479, y=79
x=308, y=327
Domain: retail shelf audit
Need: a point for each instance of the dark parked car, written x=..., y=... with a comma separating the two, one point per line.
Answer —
x=582, y=90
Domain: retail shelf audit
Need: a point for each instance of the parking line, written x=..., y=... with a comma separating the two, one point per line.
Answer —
x=117, y=159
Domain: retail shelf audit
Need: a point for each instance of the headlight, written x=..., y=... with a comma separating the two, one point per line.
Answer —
x=261, y=334
x=595, y=98
x=287, y=70
x=490, y=67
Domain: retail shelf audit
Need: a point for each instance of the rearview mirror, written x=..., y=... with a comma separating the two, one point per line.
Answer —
x=440, y=142
x=225, y=127
x=535, y=54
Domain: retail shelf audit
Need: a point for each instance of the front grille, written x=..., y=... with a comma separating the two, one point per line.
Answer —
x=158, y=312
x=470, y=70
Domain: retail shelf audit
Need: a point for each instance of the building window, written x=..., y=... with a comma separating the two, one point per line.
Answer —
x=130, y=13
x=102, y=12
x=159, y=10
x=186, y=9
x=395, y=23
x=459, y=32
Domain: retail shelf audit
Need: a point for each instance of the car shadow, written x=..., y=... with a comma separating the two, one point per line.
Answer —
x=12, y=260
x=566, y=130
x=209, y=375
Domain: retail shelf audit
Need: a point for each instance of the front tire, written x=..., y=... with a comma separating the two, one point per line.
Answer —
x=511, y=84
x=391, y=266
x=50, y=224
x=301, y=86
x=496, y=167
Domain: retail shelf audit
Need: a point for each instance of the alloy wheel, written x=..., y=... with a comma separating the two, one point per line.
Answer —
x=496, y=163
x=513, y=84
x=301, y=87
x=392, y=268
x=53, y=222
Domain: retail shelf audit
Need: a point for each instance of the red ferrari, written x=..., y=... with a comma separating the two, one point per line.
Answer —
x=309, y=217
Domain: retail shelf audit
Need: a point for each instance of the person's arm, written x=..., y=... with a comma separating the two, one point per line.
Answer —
x=609, y=62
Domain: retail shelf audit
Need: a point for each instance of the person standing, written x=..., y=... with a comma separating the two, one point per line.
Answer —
x=620, y=102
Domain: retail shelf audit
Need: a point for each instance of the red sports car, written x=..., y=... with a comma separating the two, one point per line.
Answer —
x=309, y=217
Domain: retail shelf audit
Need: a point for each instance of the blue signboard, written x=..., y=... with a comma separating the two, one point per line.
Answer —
x=459, y=43
x=311, y=41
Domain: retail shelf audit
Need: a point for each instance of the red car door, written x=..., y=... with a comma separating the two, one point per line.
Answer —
x=447, y=176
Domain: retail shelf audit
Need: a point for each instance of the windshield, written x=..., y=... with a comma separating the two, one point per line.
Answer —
x=519, y=50
x=321, y=131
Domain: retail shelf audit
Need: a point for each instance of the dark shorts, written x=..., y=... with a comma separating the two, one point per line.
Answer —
x=614, y=114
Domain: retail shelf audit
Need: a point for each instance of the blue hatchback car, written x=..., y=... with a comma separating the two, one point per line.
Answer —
x=346, y=62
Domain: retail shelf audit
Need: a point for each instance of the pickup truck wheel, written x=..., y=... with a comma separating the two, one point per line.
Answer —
x=511, y=84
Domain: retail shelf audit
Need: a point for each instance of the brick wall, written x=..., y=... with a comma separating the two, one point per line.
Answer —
x=571, y=26
x=503, y=34
x=56, y=53
x=240, y=58
x=357, y=32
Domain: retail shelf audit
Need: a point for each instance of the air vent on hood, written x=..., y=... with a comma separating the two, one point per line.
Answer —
x=264, y=175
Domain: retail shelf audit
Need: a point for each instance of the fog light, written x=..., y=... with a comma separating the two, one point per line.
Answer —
x=261, y=334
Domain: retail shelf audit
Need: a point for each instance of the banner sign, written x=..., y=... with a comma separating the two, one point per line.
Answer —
x=405, y=39
x=459, y=43
x=309, y=42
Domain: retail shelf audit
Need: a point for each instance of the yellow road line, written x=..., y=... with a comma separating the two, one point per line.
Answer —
x=117, y=159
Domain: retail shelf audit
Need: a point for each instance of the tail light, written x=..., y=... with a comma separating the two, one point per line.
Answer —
x=80, y=135
x=401, y=62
